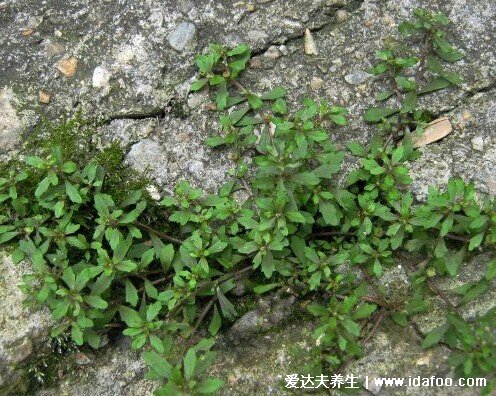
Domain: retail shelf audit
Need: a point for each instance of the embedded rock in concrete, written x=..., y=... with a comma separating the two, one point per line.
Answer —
x=175, y=151
x=270, y=312
x=183, y=34
x=357, y=78
x=101, y=77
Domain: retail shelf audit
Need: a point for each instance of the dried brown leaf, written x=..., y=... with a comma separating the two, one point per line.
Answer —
x=310, y=47
x=435, y=131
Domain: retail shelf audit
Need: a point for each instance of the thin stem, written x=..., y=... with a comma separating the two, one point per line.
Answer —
x=161, y=280
x=383, y=304
x=158, y=233
x=205, y=285
x=207, y=308
x=238, y=86
x=427, y=45
x=369, y=279
x=246, y=186
x=441, y=295
x=434, y=289
x=377, y=323
x=457, y=237
x=316, y=235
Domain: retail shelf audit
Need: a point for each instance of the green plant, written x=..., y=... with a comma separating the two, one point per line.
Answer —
x=395, y=63
x=474, y=346
x=180, y=377
x=103, y=259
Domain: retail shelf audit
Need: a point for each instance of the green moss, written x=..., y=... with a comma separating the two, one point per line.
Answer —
x=78, y=139
x=45, y=370
x=73, y=135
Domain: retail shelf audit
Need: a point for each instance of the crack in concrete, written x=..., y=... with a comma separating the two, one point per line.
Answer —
x=159, y=112
x=466, y=99
x=329, y=11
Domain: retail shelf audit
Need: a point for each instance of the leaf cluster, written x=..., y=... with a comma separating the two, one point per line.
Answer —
x=103, y=260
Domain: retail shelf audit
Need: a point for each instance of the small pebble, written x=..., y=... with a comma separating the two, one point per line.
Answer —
x=256, y=35
x=342, y=16
x=183, y=34
x=44, y=97
x=272, y=53
x=316, y=83
x=101, y=77
x=68, y=66
x=357, y=78
x=478, y=143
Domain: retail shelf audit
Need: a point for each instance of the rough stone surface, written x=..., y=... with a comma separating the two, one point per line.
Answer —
x=22, y=330
x=135, y=63
x=10, y=124
x=270, y=312
x=472, y=271
x=469, y=151
x=118, y=372
x=395, y=352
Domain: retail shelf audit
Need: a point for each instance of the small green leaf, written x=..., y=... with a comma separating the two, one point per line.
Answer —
x=130, y=316
x=383, y=95
x=474, y=292
x=446, y=51
x=376, y=114
x=209, y=386
x=131, y=293
x=77, y=334
x=222, y=95
x=276, y=93
x=198, y=84
x=435, y=85
x=329, y=212
x=364, y=311
x=491, y=270
x=268, y=265
x=295, y=217
x=153, y=310
x=157, y=364
x=279, y=106
x=434, y=337
x=156, y=343
x=305, y=178
x=189, y=364
x=409, y=103
x=261, y=289
x=356, y=149
x=42, y=187
x=254, y=101
x=475, y=241
x=215, y=323
x=72, y=192
x=96, y=302
x=215, y=141
x=351, y=327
